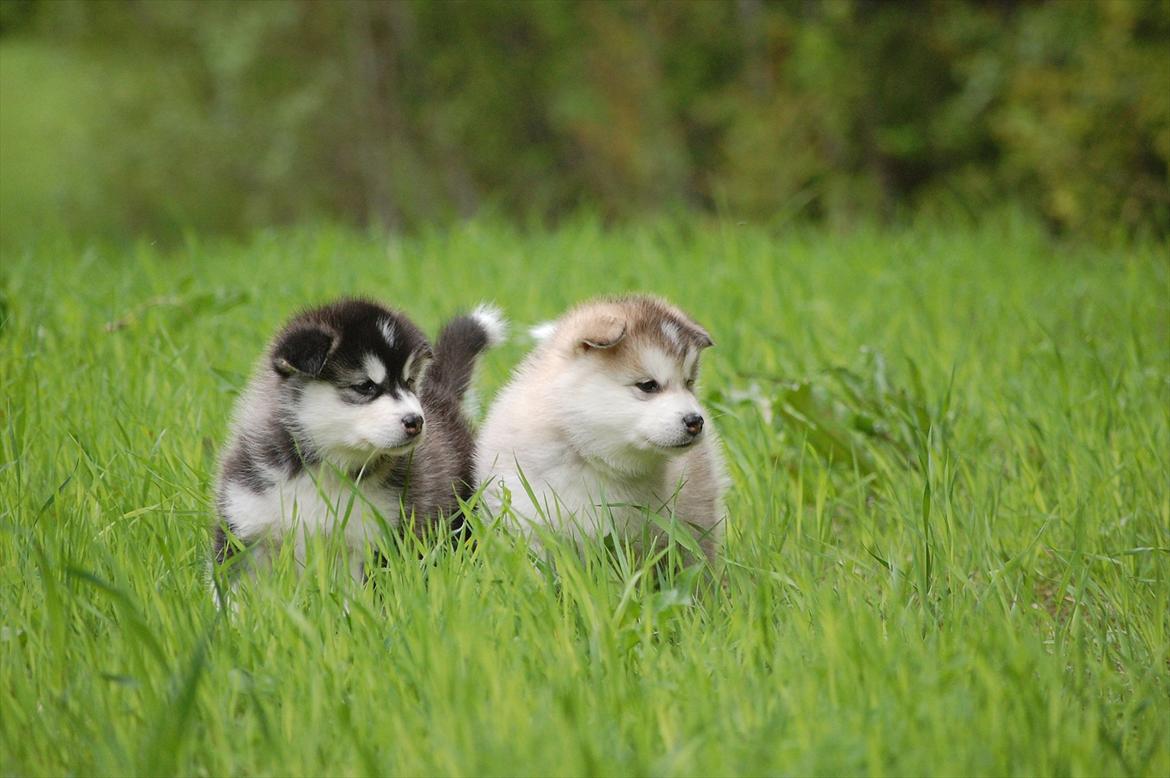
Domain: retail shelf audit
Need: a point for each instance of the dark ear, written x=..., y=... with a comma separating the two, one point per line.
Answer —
x=700, y=337
x=602, y=332
x=303, y=350
x=420, y=362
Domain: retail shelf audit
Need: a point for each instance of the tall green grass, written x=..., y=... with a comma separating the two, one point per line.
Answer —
x=949, y=550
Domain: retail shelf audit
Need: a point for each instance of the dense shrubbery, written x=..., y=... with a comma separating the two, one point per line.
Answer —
x=228, y=116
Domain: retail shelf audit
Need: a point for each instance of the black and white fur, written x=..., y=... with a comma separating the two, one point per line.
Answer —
x=350, y=420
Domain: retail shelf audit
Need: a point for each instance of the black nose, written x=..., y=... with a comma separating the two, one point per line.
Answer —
x=694, y=423
x=412, y=423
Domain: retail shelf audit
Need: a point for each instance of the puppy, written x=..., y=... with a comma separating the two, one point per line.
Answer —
x=601, y=422
x=351, y=423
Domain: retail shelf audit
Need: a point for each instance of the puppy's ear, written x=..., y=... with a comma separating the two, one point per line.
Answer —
x=418, y=363
x=699, y=336
x=304, y=350
x=601, y=332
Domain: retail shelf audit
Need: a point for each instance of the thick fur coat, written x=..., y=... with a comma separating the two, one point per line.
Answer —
x=602, y=423
x=352, y=423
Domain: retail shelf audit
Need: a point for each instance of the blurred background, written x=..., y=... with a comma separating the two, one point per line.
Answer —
x=129, y=118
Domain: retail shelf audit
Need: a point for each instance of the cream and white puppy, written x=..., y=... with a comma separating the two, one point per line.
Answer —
x=602, y=424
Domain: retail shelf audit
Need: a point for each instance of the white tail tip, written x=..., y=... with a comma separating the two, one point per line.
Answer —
x=543, y=331
x=493, y=322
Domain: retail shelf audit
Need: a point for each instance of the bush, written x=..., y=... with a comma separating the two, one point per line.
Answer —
x=231, y=116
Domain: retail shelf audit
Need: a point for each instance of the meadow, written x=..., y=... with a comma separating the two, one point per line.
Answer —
x=948, y=551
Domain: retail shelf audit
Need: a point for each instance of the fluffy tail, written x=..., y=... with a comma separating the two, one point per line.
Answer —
x=461, y=341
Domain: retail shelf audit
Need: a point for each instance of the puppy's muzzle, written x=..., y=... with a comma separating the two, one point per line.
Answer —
x=413, y=423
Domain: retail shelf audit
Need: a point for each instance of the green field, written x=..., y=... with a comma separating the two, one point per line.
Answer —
x=949, y=550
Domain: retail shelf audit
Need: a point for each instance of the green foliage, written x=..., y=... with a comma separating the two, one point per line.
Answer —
x=228, y=116
x=947, y=554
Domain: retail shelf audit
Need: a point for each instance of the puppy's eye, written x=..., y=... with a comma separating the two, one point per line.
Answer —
x=649, y=387
x=365, y=388
x=690, y=384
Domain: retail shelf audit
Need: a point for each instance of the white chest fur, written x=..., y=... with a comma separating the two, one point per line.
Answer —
x=316, y=500
x=579, y=499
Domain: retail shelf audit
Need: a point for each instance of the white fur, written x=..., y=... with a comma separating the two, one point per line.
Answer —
x=387, y=329
x=606, y=417
x=374, y=368
x=349, y=435
x=492, y=320
x=543, y=331
x=311, y=502
x=596, y=451
x=672, y=333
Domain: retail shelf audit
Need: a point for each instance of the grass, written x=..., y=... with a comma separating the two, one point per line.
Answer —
x=949, y=550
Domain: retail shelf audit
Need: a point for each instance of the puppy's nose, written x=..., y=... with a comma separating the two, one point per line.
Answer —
x=412, y=423
x=693, y=423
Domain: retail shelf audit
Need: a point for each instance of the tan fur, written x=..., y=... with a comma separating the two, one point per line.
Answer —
x=607, y=320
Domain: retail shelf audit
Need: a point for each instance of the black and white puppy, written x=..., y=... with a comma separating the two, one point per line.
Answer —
x=351, y=423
